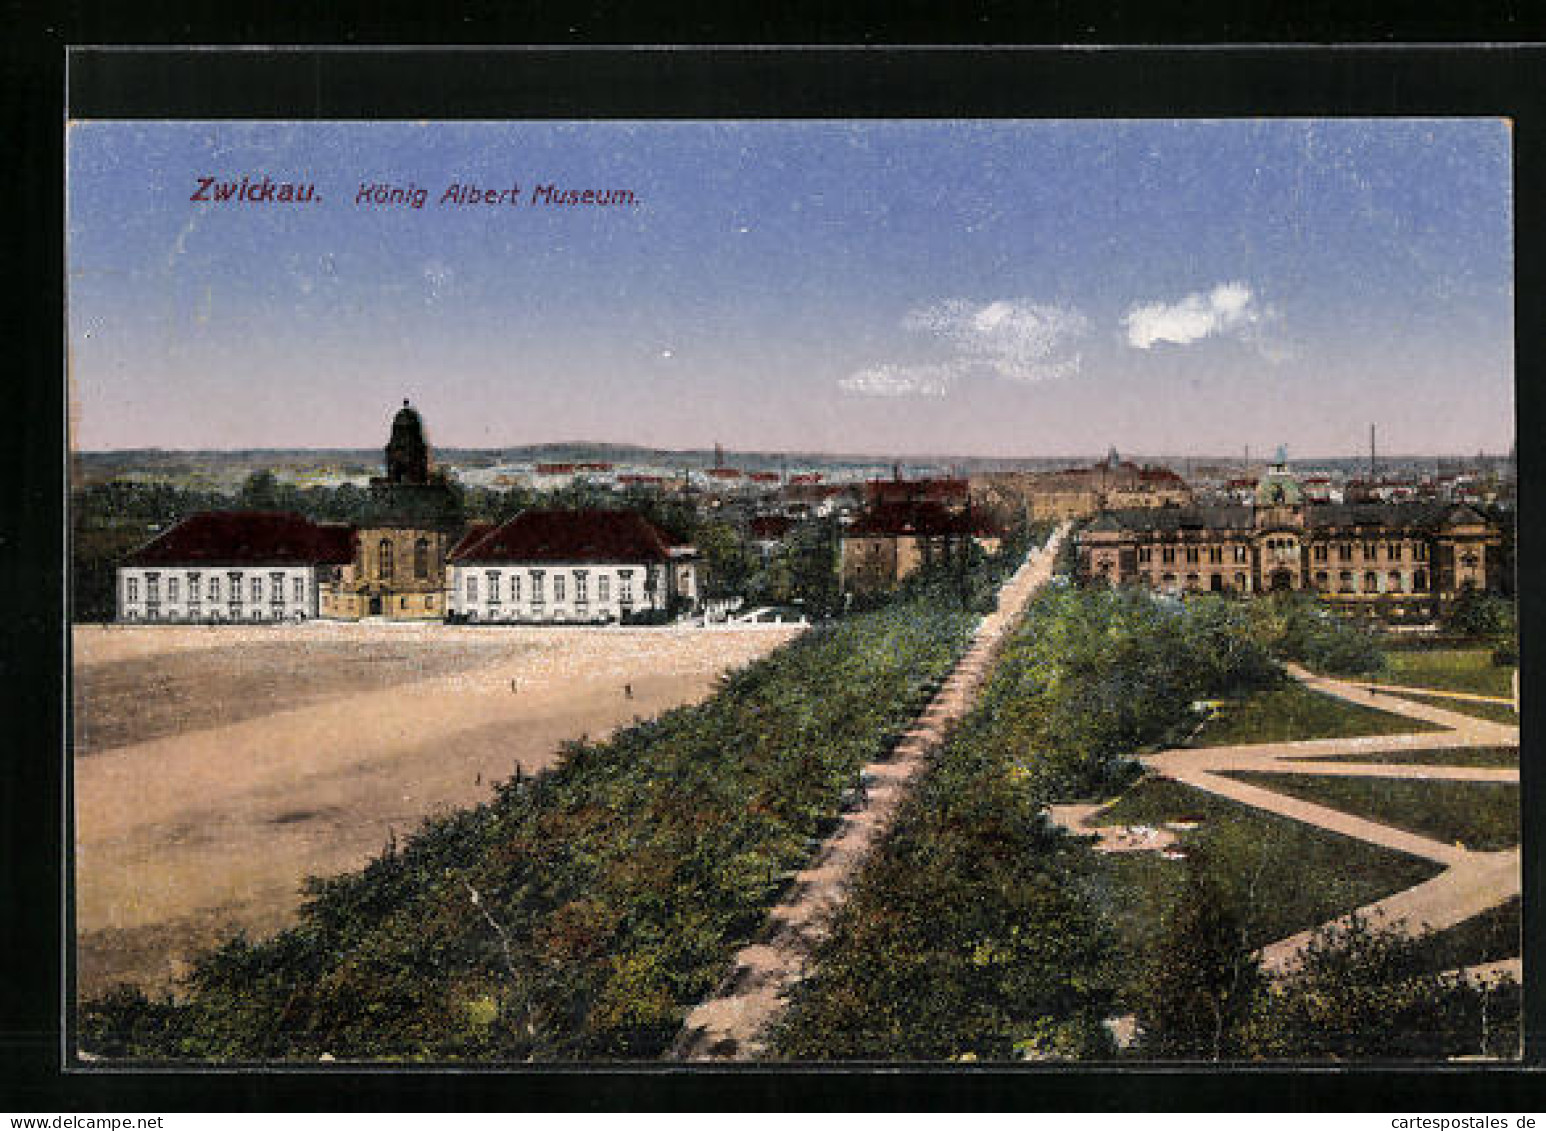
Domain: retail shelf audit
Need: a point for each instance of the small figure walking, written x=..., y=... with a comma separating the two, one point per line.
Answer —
x=512, y=687
x=627, y=691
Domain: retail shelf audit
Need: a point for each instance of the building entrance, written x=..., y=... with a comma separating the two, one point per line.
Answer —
x=375, y=606
x=1282, y=581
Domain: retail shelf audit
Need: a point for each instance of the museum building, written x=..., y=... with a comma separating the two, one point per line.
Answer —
x=1402, y=560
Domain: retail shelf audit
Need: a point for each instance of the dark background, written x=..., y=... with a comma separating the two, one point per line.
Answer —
x=585, y=80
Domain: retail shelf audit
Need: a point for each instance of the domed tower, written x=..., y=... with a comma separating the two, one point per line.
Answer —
x=407, y=455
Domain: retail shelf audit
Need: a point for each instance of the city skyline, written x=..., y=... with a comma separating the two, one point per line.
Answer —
x=908, y=289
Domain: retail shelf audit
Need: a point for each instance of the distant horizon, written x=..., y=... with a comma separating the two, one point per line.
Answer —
x=1268, y=455
x=977, y=286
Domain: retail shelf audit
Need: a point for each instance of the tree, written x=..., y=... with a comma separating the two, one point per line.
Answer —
x=1196, y=988
x=724, y=555
x=260, y=492
x=812, y=557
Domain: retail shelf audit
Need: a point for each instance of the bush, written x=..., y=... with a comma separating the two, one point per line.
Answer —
x=1478, y=615
x=1365, y=991
x=1299, y=628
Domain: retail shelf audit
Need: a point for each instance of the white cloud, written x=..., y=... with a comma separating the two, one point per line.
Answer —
x=1017, y=340
x=1014, y=340
x=900, y=381
x=1229, y=308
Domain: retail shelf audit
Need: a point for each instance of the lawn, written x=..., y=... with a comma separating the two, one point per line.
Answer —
x=1292, y=712
x=1284, y=875
x=1492, y=712
x=1470, y=670
x=1483, y=816
x=1458, y=756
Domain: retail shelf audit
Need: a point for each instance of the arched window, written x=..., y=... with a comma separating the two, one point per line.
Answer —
x=1321, y=580
x=1345, y=581
x=1371, y=582
x=421, y=559
x=1394, y=585
x=1419, y=581
x=384, y=559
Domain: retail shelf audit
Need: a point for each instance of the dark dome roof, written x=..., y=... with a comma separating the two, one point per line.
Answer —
x=406, y=415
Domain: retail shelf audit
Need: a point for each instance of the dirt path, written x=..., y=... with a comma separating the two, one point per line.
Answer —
x=730, y=1024
x=185, y=837
x=1472, y=882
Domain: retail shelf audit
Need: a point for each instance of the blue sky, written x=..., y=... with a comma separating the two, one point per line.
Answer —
x=898, y=288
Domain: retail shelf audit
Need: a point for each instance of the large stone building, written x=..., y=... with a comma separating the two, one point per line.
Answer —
x=573, y=567
x=1078, y=492
x=410, y=521
x=892, y=540
x=234, y=566
x=1402, y=560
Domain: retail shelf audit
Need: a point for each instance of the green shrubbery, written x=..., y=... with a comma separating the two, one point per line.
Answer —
x=1362, y=991
x=1366, y=991
x=1297, y=627
x=581, y=912
x=970, y=933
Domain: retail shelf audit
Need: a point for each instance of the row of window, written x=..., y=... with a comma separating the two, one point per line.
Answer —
x=1346, y=581
x=1394, y=582
x=538, y=587
x=198, y=587
x=1241, y=554
x=153, y=613
x=1394, y=552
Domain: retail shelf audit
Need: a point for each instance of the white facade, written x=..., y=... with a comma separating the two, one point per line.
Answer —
x=579, y=593
x=210, y=594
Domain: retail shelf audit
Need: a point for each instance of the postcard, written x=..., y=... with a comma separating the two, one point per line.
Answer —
x=1018, y=591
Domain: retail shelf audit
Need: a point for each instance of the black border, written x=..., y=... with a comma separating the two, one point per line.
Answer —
x=685, y=83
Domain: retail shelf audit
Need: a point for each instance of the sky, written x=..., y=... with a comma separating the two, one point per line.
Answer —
x=975, y=288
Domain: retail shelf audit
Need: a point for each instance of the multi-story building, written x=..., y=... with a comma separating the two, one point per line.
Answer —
x=234, y=566
x=576, y=567
x=892, y=540
x=1402, y=560
x=1079, y=492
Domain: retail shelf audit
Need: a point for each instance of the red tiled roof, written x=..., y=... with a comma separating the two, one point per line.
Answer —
x=555, y=468
x=570, y=536
x=1159, y=475
x=898, y=490
x=594, y=466
x=248, y=537
x=898, y=519
x=804, y=478
x=723, y=472
x=764, y=477
x=476, y=532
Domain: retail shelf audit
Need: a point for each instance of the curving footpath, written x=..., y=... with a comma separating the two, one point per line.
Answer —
x=729, y=1025
x=1471, y=883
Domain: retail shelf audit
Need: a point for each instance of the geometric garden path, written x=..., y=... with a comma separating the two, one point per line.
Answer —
x=731, y=1023
x=1471, y=883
